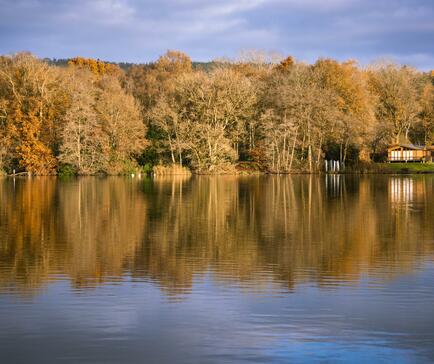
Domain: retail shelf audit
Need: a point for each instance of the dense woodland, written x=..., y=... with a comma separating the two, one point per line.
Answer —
x=86, y=116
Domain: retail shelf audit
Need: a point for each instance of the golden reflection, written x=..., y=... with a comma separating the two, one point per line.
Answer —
x=405, y=191
x=246, y=230
x=85, y=229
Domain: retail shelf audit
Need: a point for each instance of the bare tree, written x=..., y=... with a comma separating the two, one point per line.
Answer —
x=84, y=143
x=397, y=106
x=297, y=119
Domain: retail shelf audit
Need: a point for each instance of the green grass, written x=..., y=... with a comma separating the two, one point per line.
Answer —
x=406, y=167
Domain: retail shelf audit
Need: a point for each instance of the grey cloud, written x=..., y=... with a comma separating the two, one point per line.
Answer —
x=139, y=31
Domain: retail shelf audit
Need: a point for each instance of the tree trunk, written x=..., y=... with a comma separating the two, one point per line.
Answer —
x=293, y=150
x=171, y=150
x=345, y=150
x=318, y=160
x=309, y=156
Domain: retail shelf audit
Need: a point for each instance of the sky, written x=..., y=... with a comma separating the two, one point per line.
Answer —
x=141, y=30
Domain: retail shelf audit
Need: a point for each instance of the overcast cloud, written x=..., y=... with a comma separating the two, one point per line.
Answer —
x=140, y=31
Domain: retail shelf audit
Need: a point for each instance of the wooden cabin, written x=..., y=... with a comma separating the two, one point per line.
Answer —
x=410, y=153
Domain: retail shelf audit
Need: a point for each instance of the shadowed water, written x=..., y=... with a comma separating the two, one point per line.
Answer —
x=217, y=269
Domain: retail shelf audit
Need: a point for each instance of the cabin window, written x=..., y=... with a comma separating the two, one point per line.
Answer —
x=408, y=154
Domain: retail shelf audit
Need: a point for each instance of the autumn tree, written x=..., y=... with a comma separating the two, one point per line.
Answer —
x=355, y=121
x=298, y=116
x=32, y=107
x=104, y=129
x=84, y=144
x=4, y=135
x=286, y=64
x=119, y=115
x=427, y=112
x=96, y=66
x=153, y=85
x=148, y=81
x=397, y=107
x=211, y=111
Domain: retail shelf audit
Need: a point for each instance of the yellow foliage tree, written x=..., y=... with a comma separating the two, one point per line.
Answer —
x=96, y=66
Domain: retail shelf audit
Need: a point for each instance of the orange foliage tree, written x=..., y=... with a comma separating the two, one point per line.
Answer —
x=32, y=104
x=96, y=66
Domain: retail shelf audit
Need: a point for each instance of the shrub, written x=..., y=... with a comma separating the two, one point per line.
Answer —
x=66, y=170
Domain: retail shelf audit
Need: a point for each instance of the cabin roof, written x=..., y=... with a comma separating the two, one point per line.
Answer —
x=407, y=146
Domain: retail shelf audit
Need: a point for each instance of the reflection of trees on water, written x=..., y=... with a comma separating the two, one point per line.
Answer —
x=334, y=184
x=27, y=228
x=102, y=224
x=244, y=229
x=83, y=228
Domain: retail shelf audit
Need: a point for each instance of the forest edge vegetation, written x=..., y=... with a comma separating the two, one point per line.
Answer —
x=86, y=116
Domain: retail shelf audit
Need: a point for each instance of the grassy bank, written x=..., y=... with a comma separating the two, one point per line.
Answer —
x=403, y=168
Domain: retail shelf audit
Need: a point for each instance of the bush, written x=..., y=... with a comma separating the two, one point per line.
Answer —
x=249, y=168
x=129, y=167
x=66, y=170
x=147, y=168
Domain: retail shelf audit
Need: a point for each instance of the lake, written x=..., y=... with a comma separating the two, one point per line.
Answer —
x=264, y=269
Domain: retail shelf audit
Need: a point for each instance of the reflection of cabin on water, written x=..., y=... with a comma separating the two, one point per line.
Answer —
x=410, y=153
x=403, y=190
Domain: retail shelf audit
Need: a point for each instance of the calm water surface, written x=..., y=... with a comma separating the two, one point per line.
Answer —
x=217, y=270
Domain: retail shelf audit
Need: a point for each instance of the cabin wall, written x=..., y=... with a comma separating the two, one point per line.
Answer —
x=408, y=155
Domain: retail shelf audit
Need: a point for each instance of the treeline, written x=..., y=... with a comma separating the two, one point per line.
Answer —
x=125, y=66
x=253, y=114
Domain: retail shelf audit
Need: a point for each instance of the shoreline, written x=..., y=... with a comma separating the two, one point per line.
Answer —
x=348, y=173
x=365, y=169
